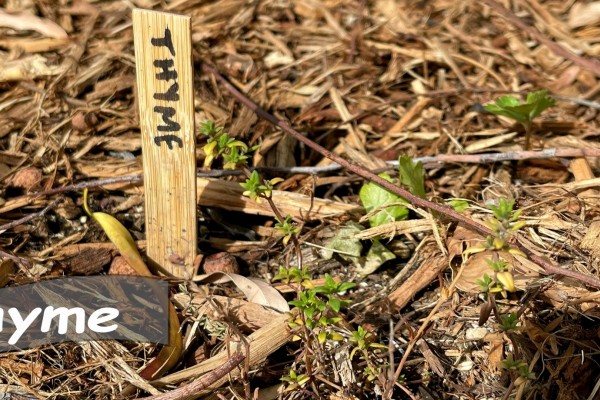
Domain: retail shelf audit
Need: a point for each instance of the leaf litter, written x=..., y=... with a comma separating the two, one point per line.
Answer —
x=370, y=81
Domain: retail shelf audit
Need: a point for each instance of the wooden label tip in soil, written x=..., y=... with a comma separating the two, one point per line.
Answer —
x=163, y=55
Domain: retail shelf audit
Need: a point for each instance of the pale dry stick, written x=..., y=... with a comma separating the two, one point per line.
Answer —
x=202, y=383
x=581, y=102
x=548, y=267
x=428, y=161
x=439, y=159
x=587, y=63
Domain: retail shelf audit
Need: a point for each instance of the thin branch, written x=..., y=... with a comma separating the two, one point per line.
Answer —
x=546, y=265
x=29, y=217
x=581, y=102
x=90, y=184
x=201, y=383
x=16, y=259
x=429, y=162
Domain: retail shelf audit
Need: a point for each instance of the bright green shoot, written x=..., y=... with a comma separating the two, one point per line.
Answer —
x=294, y=275
x=295, y=380
x=509, y=322
x=219, y=143
x=524, y=113
x=287, y=228
x=364, y=341
x=256, y=190
x=520, y=367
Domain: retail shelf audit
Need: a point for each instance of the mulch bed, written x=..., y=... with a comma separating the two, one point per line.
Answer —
x=369, y=81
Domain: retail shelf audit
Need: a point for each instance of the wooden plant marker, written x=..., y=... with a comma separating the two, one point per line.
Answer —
x=164, y=68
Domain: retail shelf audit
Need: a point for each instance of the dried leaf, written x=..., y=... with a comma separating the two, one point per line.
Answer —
x=255, y=290
x=582, y=14
x=28, y=68
x=25, y=21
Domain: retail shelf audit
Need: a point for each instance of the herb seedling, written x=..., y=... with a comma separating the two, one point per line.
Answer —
x=295, y=380
x=519, y=367
x=219, y=143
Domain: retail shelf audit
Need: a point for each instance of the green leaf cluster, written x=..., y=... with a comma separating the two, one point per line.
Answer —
x=294, y=275
x=348, y=247
x=287, y=228
x=373, y=196
x=256, y=189
x=524, y=113
x=221, y=144
x=295, y=380
x=519, y=366
x=321, y=308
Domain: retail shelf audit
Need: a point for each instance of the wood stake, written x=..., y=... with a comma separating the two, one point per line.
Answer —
x=163, y=56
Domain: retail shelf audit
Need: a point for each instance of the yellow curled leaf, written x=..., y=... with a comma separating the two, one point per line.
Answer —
x=209, y=148
x=507, y=280
x=123, y=241
x=322, y=337
x=517, y=252
x=121, y=238
x=517, y=225
x=499, y=243
x=169, y=355
x=473, y=250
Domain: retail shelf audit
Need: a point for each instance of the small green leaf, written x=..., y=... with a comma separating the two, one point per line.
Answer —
x=335, y=304
x=374, y=196
x=540, y=101
x=412, y=175
x=507, y=112
x=459, y=205
x=507, y=101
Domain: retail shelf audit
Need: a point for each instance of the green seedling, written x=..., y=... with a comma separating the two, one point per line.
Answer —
x=524, y=113
x=412, y=175
x=256, y=189
x=458, y=205
x=509, y=322
x=520, y=367
x=295, y=380
x=503, y=224
x=364, y=341
x=287, y=228
x=320, y=307
x=294, y=275
x=486, y=284
x=375, y=197
x=331, y=289
x=235, y=153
